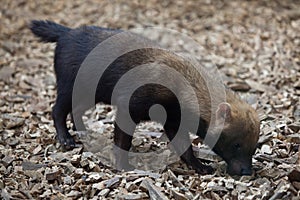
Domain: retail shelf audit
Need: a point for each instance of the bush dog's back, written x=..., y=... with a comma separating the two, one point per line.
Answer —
x=240, y=132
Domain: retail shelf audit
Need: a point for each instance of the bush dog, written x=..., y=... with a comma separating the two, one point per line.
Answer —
x=237, y=142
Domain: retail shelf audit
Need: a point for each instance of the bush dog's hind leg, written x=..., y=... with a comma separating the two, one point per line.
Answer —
x=60, y=112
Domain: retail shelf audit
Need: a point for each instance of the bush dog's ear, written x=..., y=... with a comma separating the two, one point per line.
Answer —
x=224, y=112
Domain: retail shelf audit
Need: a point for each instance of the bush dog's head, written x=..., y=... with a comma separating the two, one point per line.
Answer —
x=239, y=136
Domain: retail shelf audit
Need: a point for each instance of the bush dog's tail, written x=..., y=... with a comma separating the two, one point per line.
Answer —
x=48, y=31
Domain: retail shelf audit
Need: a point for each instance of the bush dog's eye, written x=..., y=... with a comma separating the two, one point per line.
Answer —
x=237, y=146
